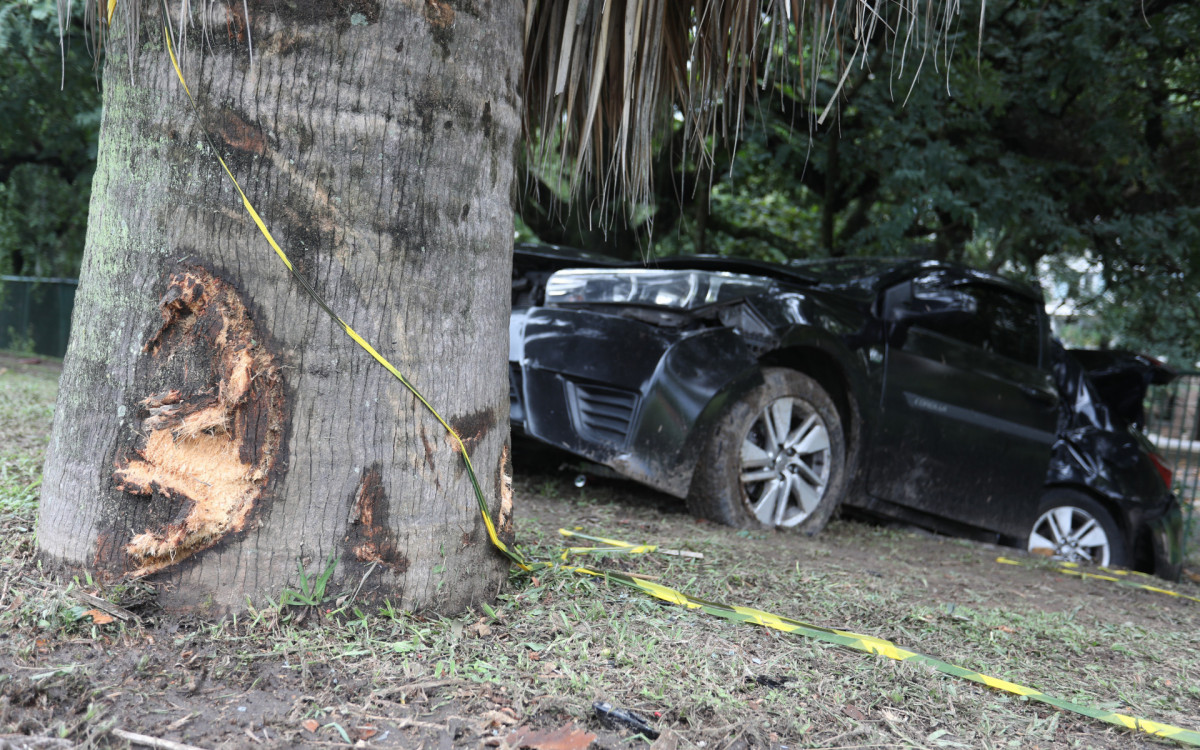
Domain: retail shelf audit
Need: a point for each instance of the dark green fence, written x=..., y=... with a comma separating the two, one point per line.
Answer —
x=1173, y=425
x=35, y=314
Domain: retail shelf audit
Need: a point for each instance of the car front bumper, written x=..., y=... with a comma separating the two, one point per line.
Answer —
x=631, y=396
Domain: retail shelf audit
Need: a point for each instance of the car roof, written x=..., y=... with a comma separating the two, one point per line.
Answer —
x=859, y=277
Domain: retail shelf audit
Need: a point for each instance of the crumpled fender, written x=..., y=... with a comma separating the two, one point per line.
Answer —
x=1094, y=446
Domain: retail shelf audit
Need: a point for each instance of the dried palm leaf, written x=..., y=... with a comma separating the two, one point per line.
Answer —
x=601, y=76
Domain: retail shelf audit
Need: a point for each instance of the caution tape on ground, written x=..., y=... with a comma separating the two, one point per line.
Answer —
x=864, y=643
x=1112, y=575
x=881, y=647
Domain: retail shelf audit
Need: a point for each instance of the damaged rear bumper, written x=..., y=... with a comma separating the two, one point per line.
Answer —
x=1166, y=535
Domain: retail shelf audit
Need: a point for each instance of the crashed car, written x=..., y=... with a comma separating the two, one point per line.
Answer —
x=772, y=395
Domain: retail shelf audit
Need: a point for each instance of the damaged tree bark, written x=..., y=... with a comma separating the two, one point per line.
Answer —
x=215, y=446
x=214, y=426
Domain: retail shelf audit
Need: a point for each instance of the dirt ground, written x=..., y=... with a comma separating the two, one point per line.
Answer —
x=528, y=671
x=220, y=685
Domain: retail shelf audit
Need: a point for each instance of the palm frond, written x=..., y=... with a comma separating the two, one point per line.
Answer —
x=181, y=18
x=603, y=76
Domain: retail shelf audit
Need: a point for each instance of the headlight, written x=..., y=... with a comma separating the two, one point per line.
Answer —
x=681, y=290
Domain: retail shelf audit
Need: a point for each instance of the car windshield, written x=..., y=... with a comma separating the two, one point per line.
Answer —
x=843, y=271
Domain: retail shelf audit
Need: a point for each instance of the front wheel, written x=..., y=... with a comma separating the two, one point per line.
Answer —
x=1075, y=528
x=777, y=458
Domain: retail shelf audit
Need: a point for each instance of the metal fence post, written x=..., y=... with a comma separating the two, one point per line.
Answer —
x=1173, y=425
x=35, y=314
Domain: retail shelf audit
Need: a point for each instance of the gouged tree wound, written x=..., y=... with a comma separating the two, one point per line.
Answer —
x=371, y=539
x=238, y=134
x=437, y=13
x=504, y=519
x=469, y=429
x=216, y=447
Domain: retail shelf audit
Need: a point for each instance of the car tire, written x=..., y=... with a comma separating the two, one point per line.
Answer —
x=1073, y=527
x=746, y=468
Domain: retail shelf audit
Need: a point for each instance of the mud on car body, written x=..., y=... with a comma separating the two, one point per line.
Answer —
x=771, y=396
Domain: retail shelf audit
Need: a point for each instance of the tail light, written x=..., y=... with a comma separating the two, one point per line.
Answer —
x=1164, y=471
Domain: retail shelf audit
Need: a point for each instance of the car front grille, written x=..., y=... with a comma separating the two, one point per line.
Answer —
x=602, y=414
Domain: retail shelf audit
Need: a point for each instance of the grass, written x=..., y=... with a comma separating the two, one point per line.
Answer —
x=26, y=413
x=554, y=643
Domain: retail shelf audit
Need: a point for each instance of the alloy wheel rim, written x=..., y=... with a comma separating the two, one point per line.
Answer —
x=1070, y=534
x=786, y=462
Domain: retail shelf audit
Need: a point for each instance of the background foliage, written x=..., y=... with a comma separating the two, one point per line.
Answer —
x=50, y=108
x=1063, y=146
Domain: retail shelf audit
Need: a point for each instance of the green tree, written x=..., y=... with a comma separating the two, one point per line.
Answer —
x=50, y=107
x=1067, y=137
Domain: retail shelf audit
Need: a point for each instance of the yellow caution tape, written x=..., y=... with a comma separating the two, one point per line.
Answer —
x=1109, y=574
x=864, y=643
x=614, y=546
x=879, y=646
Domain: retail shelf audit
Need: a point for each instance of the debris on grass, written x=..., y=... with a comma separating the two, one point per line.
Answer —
x=566, y=737
x=534, y=660
x=614, y=716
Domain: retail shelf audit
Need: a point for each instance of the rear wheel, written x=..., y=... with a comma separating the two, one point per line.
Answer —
x=1075, y=528
x=776, y=459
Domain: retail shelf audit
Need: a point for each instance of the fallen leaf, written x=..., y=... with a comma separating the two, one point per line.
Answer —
x=98, y=617
x=480, y=629
x=668, y=740
x=502, y=718
x=365, y=733
x=566, y=737
x=1006, y=629
x=311, y=725
x=854, y=713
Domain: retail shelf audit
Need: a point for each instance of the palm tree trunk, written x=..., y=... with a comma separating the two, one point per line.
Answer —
x=214, y=426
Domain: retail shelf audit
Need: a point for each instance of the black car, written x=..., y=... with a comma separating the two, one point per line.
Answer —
x=771, y=395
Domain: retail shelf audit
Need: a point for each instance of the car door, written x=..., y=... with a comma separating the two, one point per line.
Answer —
x=969, y=413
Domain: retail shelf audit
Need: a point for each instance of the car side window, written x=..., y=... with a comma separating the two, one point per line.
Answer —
x=967, y=327
x=1014, y=328
x=1001, y=322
